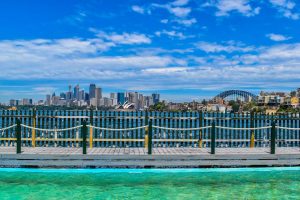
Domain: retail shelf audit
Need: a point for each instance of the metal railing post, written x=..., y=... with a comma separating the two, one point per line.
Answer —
x=146, y=131
x=91, y=129
x=273, y=137
x=213, y=138
x=150, y=138
x=18, y=136
x=84, y=133
x=252, y=137
x=33, y=135
x=200, y=132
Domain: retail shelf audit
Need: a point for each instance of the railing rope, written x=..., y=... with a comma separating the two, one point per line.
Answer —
x=287, y=128
x=117, y=129
x=232, y=128
x=7, y=128
x=45, y=129
x=181, y=129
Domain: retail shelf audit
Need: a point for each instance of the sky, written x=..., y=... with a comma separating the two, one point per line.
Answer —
x=183, y=49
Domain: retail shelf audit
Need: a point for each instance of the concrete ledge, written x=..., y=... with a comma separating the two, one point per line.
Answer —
x=146, y=161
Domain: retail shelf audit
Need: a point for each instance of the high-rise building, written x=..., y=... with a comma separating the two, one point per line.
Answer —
x=63, y=95
x=155, y=97
x=121, y=98
x=48, y=100
x=92, y=91
x=98, y=93
x=76, y=92
x=86, y=97
x=81, y=95
x=113, y=95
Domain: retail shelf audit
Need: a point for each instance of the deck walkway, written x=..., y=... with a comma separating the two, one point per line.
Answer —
x=143, y=151
x=54, y=157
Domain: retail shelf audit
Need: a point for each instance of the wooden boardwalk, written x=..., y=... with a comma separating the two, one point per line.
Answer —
x=47, y=157
x=143, y=151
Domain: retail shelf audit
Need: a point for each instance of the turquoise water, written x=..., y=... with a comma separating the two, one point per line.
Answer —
x=253, y=183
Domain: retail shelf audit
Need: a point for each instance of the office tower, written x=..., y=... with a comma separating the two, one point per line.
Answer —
x=98, y=93
x=69, y=96
x=155, y=97
x=81, y=95
x=63, y=95
x=121, y=98
x=92, y=91
x=76, y=92
x=48, y=100
x=86, y=97
x=113, y=95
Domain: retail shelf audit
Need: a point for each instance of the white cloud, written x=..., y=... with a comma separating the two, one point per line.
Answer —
x=179, y=11
x=277, y=37
x=286, y=8
x=123, y=38
x=164, y=71
x=176, y=8
x=225, y=7
x=227, y=47
x=186, y=22
x=180, y=2
x=172, y=34
x=164, y=21
x=71, y=59
x=138, y=9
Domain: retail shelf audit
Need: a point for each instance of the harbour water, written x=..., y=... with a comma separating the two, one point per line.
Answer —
x=245, y=183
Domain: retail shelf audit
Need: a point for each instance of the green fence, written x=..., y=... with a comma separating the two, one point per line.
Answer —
x=45, y=128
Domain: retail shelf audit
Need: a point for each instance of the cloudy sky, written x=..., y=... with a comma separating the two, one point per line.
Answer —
x=183, y=49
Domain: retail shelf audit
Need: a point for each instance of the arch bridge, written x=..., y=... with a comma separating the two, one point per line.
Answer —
x=236, y=93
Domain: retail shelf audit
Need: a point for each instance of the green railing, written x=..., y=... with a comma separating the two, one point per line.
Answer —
x=44, y=128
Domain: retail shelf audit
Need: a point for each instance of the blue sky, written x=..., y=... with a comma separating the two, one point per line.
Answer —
x=183, y=49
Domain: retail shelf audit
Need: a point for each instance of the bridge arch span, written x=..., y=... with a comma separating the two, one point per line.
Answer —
x=240, y=93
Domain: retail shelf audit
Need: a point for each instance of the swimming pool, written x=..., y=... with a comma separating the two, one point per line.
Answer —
x=247, y=183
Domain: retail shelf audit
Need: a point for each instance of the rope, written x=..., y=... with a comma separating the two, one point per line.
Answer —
x=115, y=129
x=9, y=127
x=287, y=128
x=182, y=129
x=58, y=130
x=231, y=128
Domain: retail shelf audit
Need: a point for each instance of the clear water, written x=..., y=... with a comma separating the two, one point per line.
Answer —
x=259, y=183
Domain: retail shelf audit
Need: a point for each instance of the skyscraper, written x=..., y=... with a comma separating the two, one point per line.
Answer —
x=92, y=91
x=98, y=93
x=76, y=92
x=155, y=97
x=121, y=98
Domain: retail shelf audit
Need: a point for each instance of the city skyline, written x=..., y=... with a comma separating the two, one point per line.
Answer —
x=91, y=97
x=183, y=49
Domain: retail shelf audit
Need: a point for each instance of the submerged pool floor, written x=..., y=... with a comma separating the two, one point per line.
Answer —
x=246, y=183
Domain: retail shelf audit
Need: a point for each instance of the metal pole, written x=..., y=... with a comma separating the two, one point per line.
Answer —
x=252, y=139
x=213, y=138
x=273, y=138
x=146, y=131
x=33, y=130
x=200, y=132
x=84, y=133
x=18, y=136
x=91, y=129
x=150, y=138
